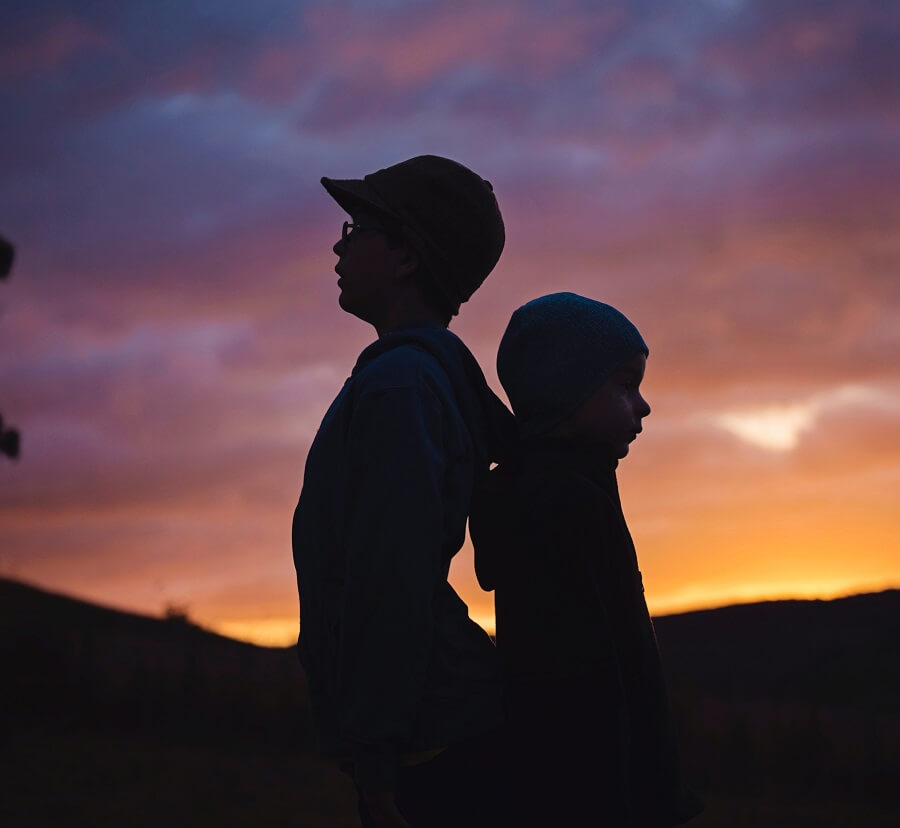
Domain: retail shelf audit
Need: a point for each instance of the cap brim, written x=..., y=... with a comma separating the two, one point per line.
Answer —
x=354, y=194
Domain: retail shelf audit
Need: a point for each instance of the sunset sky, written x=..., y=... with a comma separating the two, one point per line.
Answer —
x=726, y=172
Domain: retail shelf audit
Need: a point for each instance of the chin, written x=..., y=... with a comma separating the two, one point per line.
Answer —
x=346, y=304
x=356, y=309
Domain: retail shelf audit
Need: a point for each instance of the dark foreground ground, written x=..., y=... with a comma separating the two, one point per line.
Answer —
x=97, y=780
x=789, y=714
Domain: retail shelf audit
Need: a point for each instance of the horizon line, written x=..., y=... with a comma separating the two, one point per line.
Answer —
x=283, y=641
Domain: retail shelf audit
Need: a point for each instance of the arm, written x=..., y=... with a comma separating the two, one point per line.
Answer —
x=393, y=537
x=567, y=705
x=590, y=528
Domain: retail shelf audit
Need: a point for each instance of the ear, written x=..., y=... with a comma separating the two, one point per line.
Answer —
x=407, y=262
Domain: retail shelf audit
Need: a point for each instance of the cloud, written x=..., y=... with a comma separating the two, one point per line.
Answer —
x=776, y=428
x=50, y=48
x=725, y=172
x=780, y=427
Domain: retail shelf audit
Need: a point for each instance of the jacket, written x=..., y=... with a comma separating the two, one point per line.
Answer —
x=588, y=713
x=393, y=661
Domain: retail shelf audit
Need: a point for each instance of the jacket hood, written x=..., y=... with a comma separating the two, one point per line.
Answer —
x=494, y=513
x=537, y=476
x=490, y=422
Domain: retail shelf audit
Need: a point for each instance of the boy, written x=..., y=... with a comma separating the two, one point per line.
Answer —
x=405, y=689
x=591, y=742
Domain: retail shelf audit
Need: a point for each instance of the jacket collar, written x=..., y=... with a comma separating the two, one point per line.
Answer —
x=588, y=462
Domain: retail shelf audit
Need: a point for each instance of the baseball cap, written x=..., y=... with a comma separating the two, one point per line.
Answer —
x=446, y=212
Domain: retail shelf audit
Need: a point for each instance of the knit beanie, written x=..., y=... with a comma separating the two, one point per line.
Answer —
x=556, y=351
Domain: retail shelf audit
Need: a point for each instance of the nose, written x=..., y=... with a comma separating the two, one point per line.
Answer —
x=338, y=247
x=643, y=408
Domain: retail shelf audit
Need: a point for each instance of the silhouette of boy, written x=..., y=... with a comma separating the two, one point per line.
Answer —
x=405, y=688
x=591, y=741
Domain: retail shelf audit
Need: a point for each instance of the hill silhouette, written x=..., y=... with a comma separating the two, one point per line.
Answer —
x=797, y=700
x=802, y=697
x=844, y=651
x=90, y=665
x=108, y=718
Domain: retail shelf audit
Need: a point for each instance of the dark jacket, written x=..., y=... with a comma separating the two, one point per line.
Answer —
x=587, y=705
x=394, y=663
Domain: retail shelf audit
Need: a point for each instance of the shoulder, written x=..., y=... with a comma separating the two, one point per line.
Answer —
x=406, y=366
x=546, y=499
x=527, y=515
x=568, y=492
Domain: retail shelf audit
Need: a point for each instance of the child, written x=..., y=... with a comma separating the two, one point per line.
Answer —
x=590, y=737
x=404, y=687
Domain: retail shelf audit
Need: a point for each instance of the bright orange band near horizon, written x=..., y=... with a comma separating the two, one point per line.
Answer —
x=170, y=334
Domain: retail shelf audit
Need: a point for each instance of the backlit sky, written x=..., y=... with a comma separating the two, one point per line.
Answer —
x=726, y=172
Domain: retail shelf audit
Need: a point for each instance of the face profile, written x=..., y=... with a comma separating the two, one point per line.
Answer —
x=367, y=266
x=611, y=417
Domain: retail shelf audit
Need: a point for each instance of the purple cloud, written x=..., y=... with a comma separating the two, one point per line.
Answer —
x=724, y=171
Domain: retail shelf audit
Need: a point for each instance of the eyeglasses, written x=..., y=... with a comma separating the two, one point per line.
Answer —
x=349, y=228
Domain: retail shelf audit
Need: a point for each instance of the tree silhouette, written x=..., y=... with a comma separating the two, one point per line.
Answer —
x=7, y=254
x=9, y=437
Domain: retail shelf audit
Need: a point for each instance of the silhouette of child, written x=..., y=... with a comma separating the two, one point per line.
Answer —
x=404, y=686
x=590, y=741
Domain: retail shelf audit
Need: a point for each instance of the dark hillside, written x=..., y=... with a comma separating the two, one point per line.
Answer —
x=112, y=719
x=789, y=715
x=843, y=652
x=77, y=663
x=790, y=696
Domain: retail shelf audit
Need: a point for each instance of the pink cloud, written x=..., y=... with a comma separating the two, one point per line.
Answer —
x=50, y=48
x=801, y=36
x=280, y=70
x=420, y=46
x=643, y=80
x=199, y=72
x=172, y=325
x=421, y=52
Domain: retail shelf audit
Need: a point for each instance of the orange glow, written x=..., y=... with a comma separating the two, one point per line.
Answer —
x=266, y=632
x=169, y=345
x=282, y=632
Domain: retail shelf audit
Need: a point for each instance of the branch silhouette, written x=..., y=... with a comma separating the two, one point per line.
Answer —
x=9, y=437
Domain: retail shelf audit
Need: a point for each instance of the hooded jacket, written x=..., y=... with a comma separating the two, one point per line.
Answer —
x=393, y=661
x=589, y=718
